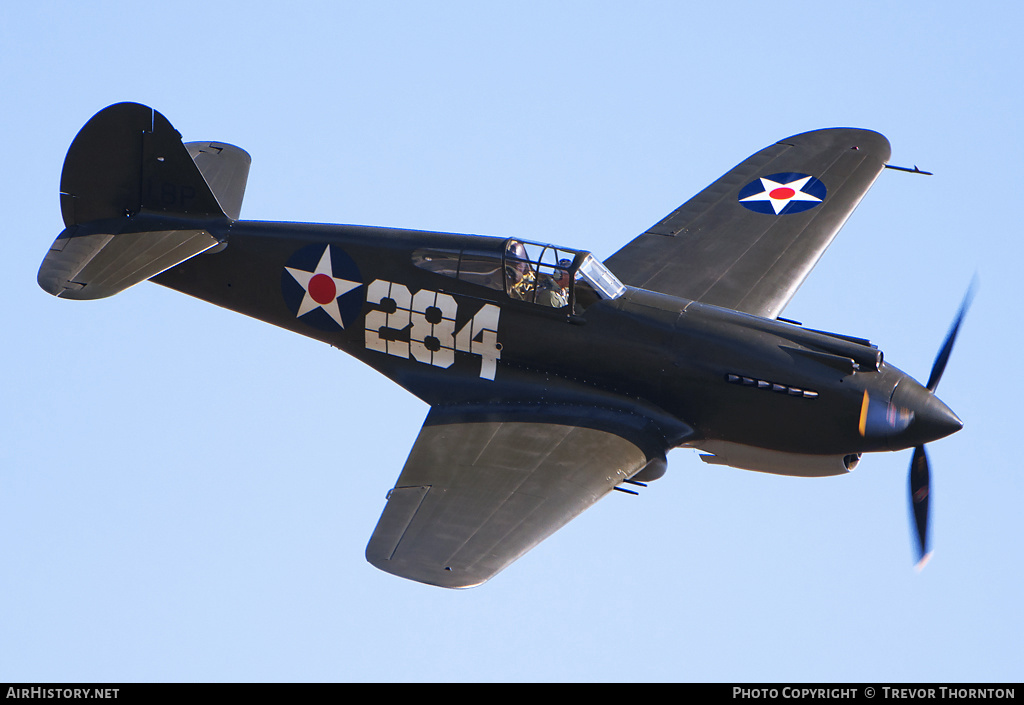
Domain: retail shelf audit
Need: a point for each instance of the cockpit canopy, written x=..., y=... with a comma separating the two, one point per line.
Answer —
x=545, y=275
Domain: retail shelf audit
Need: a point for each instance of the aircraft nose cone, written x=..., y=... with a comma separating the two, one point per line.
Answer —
x=932, y=419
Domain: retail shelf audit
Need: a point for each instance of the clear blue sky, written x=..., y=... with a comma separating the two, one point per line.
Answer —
x=186, y=494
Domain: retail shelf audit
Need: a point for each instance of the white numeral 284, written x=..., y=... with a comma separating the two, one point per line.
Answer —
x=432, y=337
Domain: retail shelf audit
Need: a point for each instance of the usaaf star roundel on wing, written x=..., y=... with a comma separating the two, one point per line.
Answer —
x=783, y=194
x=322, y=286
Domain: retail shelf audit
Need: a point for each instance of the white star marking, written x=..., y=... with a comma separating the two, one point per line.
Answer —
x=781, y=194
x=325, y=291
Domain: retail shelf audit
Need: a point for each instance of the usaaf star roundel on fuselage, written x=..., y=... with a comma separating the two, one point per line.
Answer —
x=322, y=286
x=783, y=194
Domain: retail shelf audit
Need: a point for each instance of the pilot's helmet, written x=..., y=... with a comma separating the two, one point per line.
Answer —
x=564, y=265
x=516, y=264
x=516, y=249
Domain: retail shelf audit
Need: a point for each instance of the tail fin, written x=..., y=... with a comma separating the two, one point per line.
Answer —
x=128, y=159
x=128, y=189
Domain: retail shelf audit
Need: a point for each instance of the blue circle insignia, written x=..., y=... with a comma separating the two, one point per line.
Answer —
x=783, y=194
x=322, y=286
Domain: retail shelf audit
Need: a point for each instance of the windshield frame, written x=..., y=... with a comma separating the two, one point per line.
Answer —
x=600, y=278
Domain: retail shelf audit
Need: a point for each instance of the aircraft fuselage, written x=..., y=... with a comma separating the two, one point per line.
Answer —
x=701, y=371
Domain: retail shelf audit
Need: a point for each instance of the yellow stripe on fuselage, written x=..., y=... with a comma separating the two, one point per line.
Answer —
x=862, y=427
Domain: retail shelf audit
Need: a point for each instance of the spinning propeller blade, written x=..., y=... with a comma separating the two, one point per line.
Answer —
x=920, y=472
x=920, y=479
x=947, y=347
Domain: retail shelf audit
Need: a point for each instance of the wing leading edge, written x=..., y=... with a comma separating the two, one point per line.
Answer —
x=748, y=255
x=477, y=492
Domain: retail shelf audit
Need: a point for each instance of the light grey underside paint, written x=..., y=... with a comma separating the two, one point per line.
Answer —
x=97, y=265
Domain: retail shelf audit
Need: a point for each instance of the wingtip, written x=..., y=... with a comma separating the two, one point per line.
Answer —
x=923, y=562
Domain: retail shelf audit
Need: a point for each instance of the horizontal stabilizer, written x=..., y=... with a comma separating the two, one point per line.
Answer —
x=83, y=264
x=226, y=169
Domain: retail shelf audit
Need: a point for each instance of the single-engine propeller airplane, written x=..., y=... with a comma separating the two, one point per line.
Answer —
x=552, y=378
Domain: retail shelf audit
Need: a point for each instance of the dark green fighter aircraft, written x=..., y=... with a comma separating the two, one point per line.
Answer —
x=552, y=378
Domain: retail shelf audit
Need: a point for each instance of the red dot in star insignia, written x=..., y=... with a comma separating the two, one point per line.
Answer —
x=322, y=289
x=782, y=193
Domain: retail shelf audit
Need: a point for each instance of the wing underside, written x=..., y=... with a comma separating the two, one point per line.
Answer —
x=476, y=495
x=748, y=240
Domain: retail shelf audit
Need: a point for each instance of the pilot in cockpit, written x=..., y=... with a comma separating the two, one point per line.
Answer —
x=553, y=289
x=526, y=283
x=518, y=272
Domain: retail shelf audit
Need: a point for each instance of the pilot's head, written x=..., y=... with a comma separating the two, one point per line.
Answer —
x=563, y=272
x=516, y=264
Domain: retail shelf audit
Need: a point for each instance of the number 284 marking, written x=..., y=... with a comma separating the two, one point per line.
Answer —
x=429, y=317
